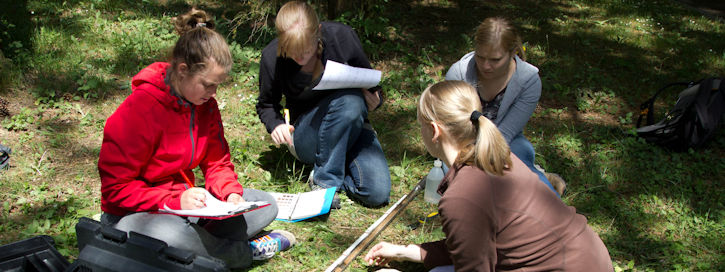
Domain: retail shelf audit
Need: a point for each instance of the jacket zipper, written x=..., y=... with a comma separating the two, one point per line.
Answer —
x=191, y=136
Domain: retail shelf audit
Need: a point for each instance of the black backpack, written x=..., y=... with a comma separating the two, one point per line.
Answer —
x=693, y=120
x=4, y=156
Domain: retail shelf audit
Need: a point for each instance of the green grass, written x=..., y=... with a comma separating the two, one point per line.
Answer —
x=655, y=210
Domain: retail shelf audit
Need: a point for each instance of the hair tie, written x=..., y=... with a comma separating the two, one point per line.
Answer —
x=475, y=115
x=200, y=25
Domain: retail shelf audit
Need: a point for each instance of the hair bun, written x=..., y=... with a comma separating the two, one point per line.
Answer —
x=191, y=20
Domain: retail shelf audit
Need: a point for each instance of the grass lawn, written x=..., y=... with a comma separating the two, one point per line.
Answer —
x=654, y=209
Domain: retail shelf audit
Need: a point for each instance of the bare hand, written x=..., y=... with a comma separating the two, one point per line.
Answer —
x=372, y=100
x=235, y=198
x=384, y=252
x=193, y=198
x=282, y=134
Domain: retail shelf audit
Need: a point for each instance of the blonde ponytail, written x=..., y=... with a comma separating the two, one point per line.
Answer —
x=492, y=152
x=455, y=106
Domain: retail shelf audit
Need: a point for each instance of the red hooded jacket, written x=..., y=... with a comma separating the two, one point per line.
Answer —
x=150, y=137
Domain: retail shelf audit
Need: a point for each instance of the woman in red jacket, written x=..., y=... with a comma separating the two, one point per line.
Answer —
x=169, y=125
x=497, y=215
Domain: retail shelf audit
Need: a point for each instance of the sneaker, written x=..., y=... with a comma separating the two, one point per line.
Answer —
x=335, y=198
x=556, y=181
x=314, y=187
x=309, y=178
x=266, y=246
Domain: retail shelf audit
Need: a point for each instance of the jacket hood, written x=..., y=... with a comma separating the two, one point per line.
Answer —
x=152, y=80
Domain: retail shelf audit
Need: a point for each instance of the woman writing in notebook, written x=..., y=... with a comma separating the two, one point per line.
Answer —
x=496, y=214
x=169, y=125
x=330, y=127
x=508, y=87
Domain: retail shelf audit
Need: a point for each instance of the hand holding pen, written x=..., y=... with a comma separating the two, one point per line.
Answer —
x=282, y=134
x=193, y=197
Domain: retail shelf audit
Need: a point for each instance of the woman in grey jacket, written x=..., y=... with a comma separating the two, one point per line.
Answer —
x=508, y=87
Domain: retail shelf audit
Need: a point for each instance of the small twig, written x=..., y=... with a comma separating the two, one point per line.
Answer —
x=78, y=108
x=37, y=167
x=610, y=225
x=585, y=190
x=348, y=228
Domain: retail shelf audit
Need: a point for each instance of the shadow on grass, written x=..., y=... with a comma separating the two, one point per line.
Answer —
x=15, y=28
x=53, y=217
x=287, y=172
x=653, y=203
x=61, y=17
x=576, y=60
x=579, y=61
x=450, y=27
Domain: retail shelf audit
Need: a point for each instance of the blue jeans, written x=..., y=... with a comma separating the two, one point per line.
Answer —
x=332, y=136
x=223, y=239
x=522, y=148
x=443, y=268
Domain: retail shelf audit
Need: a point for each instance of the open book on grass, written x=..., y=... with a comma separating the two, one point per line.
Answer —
x=342, y=76
x=217, y=209
x=301, y=206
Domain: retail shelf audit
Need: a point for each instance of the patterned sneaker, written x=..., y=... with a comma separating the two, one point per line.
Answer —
x=266, y=246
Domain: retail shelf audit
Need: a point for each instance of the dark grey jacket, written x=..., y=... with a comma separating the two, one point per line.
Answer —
x=277, y=74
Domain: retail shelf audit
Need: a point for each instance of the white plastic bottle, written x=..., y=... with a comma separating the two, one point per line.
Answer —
x=432, y=181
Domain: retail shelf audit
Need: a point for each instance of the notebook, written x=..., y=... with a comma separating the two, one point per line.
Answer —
x=301, y=206
x=217, y=209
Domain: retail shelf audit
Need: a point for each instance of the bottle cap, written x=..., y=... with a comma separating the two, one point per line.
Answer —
x=437, y=163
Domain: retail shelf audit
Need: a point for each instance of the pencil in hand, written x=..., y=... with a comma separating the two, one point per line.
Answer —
x=188, y=182
x=191, y=185
x=286, y=119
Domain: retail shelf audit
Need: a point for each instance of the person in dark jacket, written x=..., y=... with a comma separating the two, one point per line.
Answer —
x=169, y=125
x=330, y=127
x=496, y=214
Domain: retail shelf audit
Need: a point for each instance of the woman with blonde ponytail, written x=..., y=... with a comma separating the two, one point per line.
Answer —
x=169, y=125
x=496, y=214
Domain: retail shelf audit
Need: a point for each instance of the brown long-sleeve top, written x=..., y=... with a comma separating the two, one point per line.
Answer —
x=510, y=222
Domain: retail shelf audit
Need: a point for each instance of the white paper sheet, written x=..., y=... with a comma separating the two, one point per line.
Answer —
x=342, y=76
x=216, y=208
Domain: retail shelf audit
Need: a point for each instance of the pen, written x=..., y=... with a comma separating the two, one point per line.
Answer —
x=286, y=117
x=188, y=182
x=191, y=185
